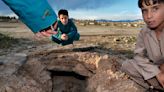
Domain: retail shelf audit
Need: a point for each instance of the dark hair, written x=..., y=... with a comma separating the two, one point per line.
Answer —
x=63, y=11
x=148, y=2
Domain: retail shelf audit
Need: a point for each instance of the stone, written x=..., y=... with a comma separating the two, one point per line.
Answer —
x=11, y=63
x=81, y=70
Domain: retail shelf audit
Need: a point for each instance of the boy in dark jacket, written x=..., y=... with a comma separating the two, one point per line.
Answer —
x=66, y=29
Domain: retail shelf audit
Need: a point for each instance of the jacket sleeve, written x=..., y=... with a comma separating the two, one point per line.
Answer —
x=58, y=35
x=73, y=30
x=147, y=68
x=37, y=15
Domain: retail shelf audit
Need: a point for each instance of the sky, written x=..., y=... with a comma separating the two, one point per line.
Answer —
x=91, y=9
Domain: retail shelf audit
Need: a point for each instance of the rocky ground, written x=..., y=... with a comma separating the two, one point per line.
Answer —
x=29, y=64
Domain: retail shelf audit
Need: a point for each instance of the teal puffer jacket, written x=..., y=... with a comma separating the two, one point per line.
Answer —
x=36, y=14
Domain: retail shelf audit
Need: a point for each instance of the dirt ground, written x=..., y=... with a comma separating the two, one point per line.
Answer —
x=107, y=37
x=97, y=43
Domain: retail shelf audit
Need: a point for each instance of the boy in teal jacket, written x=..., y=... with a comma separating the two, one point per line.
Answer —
x=66, y=30
x=36, y=14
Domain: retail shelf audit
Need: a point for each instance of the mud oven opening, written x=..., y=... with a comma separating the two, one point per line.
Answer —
x=64, y=81
x=69, y=69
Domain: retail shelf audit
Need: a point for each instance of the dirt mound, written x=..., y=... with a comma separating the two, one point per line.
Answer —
x=65, y=70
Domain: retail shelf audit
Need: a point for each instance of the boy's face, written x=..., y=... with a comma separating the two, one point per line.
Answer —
x=63, y=19
x=153, y=15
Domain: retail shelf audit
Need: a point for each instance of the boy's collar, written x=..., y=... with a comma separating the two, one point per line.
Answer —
x=150, y=30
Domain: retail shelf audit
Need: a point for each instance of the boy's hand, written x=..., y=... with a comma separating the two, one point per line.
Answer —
x=64, y=37
x=48, y=32
x=160, y=78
